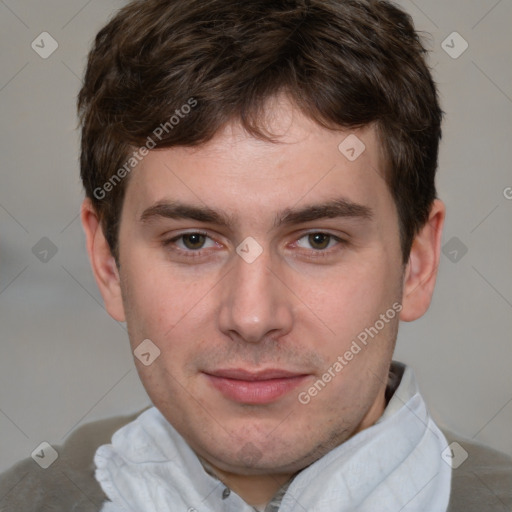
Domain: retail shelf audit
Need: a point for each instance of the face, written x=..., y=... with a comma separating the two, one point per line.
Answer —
x=254, y=267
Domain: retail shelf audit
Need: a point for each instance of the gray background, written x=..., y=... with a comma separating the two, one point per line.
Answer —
x=65, y=362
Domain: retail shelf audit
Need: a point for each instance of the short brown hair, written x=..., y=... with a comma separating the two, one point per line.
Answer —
x=344, y=63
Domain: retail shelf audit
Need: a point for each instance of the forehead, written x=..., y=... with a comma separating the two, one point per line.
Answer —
x=240, y=174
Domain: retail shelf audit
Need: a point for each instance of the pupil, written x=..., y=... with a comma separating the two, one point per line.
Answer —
x=319, y=240
x=193, y=241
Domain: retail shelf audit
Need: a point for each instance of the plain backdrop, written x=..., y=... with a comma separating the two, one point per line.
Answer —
x=64, y=361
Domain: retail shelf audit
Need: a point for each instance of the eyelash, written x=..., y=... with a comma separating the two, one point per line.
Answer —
x=189, y=253
x=312, y=253
x=318, y=254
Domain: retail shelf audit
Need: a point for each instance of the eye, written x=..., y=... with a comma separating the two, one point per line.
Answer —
x=318, y=241
x=191, y=241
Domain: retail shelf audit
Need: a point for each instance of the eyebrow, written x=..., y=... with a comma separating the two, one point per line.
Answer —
x=330, y=209
x=178, y=210
x=334, y=208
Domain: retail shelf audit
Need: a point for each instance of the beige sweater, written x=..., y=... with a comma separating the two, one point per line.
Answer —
x=482, y=484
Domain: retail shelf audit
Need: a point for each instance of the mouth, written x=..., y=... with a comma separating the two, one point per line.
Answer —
x=254, y=388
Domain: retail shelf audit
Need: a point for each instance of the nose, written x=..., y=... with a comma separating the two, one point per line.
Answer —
x=255, y=303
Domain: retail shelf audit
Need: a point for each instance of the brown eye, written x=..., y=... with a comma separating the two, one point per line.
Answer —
x=319, y=241
x=193, y=241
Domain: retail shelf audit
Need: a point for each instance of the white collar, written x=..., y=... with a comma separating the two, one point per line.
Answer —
x=393, y=465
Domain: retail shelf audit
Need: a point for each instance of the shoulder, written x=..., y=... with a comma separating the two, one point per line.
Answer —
x=483, y=481
x=69, y=483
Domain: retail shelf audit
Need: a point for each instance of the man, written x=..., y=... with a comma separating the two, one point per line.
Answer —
x=261, y=211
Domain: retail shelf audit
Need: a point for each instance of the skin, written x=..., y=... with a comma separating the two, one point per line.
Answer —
x=297, y=307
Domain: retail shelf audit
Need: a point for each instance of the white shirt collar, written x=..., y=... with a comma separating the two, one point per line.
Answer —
x=395, y=464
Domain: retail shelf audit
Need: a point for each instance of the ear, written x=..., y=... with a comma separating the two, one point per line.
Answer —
x=421, y=270
x=102, y=262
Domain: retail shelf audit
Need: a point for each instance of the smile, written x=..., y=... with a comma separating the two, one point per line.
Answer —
x=255, y=388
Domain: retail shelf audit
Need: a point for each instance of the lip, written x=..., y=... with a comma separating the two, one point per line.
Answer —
x=255, y=388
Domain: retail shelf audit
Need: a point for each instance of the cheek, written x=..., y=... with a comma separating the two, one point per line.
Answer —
x=352, y=298
x=161, y=301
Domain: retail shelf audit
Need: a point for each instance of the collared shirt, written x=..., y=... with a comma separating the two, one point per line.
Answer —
x=396, y=464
